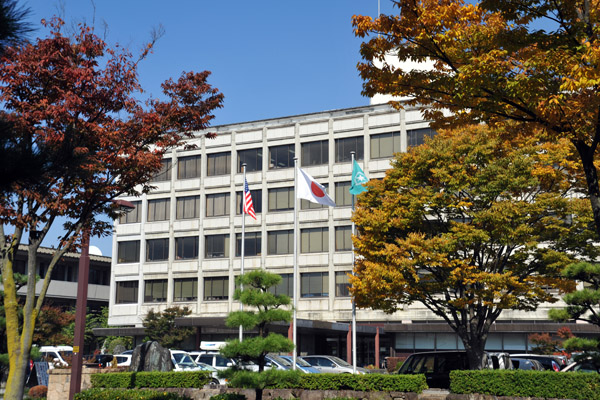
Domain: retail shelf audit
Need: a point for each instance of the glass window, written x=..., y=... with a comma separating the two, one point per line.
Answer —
x=217, y=204
x=185, y=289
x=187, y=207
x=280, y=242
x=315, y=153
x=385, y=145
x=188, y=167
x=314, y=240
x=159, y=210
x=314, y=284
x=344, y=146
x=281, y=199
x=252, y=158
x=186, y=248
x=342, y=194
x=157, y=249
x=165, y=171
x=282, y=156
x=251, y=244
x=342, y=284
x=216, y=288
x=155, y=291
x=343, y=238
x=217, y=246
x=132, y=216
x=416, y=137
x=256, y=201
x=309, y=205
x=127, y=292
x=285, y=287
x=218, y=164
x=128, y=252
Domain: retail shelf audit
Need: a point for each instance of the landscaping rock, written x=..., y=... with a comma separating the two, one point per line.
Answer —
x=150, y=356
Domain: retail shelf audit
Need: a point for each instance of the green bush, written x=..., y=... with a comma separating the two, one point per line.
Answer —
x=124, y=394
x=228, y=396
x=545, y=384
x=129, y=380
x=366, y=382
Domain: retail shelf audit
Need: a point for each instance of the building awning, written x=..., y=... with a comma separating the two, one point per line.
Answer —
x=498, y=327
x=131, y=331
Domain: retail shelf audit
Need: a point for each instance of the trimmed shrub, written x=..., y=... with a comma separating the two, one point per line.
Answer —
x=126, y=394
x=129, y=380
x=228, y=396
x=519, y=383
x=38, y=392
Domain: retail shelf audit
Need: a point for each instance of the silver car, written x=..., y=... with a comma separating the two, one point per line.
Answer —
x=332, y=364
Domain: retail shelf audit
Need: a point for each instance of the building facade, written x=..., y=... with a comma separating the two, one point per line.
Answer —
x=181, y=245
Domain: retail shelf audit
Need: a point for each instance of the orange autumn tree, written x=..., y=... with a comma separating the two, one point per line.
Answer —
x=535, y=62
x=472, y=223
x=70, y=101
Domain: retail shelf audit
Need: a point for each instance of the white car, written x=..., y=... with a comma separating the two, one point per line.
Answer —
x=123, y=360
x=182, y=361
x=55, y=355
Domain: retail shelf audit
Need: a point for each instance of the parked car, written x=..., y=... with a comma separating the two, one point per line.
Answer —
x=214, y=373
x=587, y=365
x=550, y=362
x=215, y=360
x=436, y=366
x=498, y=360
x=302, y=365
x=100, y=361
x=56, y=355
x=123, y=360
x=182, y=361
x=277, y=362
x=332, y=364
x=526, y=364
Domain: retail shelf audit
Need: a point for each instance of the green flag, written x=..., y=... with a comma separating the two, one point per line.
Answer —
x=358, y=180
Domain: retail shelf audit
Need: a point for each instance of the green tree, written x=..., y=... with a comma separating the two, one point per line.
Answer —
x=535, y=62
x=261, y=307
x=160, y=326
x=473, y=222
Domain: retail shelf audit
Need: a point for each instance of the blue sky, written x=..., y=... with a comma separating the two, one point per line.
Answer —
x=270, y=58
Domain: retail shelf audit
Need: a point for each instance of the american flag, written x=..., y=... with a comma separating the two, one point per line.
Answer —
x=248, y=207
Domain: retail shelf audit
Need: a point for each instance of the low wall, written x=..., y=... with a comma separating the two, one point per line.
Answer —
x=59, y=381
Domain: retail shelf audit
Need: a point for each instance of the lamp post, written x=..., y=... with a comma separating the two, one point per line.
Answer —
x=81, y=305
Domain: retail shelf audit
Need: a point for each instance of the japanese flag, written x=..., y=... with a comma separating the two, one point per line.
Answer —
x=310, y=190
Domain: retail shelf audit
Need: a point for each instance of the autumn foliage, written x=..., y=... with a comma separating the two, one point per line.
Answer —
x=474, y=222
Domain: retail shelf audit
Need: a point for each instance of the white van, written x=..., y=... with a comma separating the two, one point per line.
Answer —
x=56, y=355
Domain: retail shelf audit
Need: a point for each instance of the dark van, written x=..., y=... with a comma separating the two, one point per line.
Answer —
x=436, y=366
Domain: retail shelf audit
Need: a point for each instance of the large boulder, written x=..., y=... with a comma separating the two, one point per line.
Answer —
x=150, y=356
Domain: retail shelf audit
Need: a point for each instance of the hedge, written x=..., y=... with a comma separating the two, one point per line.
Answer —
x=519, y=383
x=126, y=394
x=129, y=380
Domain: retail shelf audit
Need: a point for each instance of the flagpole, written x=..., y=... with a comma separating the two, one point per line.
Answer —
x=295, y=277
x=352, y=300
x=243, y=249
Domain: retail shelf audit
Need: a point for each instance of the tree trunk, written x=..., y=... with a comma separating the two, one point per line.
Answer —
x=15, y=385
x=586, y=154
x=475, y=347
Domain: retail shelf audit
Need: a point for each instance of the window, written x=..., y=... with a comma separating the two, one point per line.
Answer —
x=185, y=289
x=282, y=156
x=281, y=199
x=344, y=146
x=314, y=284
x=187, y=207
x=285, y=287
x=128, y=252
x=132, y=216
x=188, y=167
x=416, y=137
x=127, y=292
x=157, y=249
x=155, y=291
x=218, y=164
x=216, y=288
x=309, y=205
x=343, y=238
x=186, y=248
x=252, y=158
x=256, y=201
x=217, y=246
x=217, y=204
x=315, y=153
x=165, y=171
x=251, y=244
x=342, y=284
x=385, y=145
x=280, y=242
x=314, y=240
x=159, y=210
x=342, y=194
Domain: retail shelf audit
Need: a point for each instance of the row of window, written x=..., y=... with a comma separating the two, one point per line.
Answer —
x=312, y=153
x=218, y=204
x=312, y=240
x=312, y=284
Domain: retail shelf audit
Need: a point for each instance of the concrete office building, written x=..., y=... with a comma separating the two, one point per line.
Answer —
x=181, y=244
